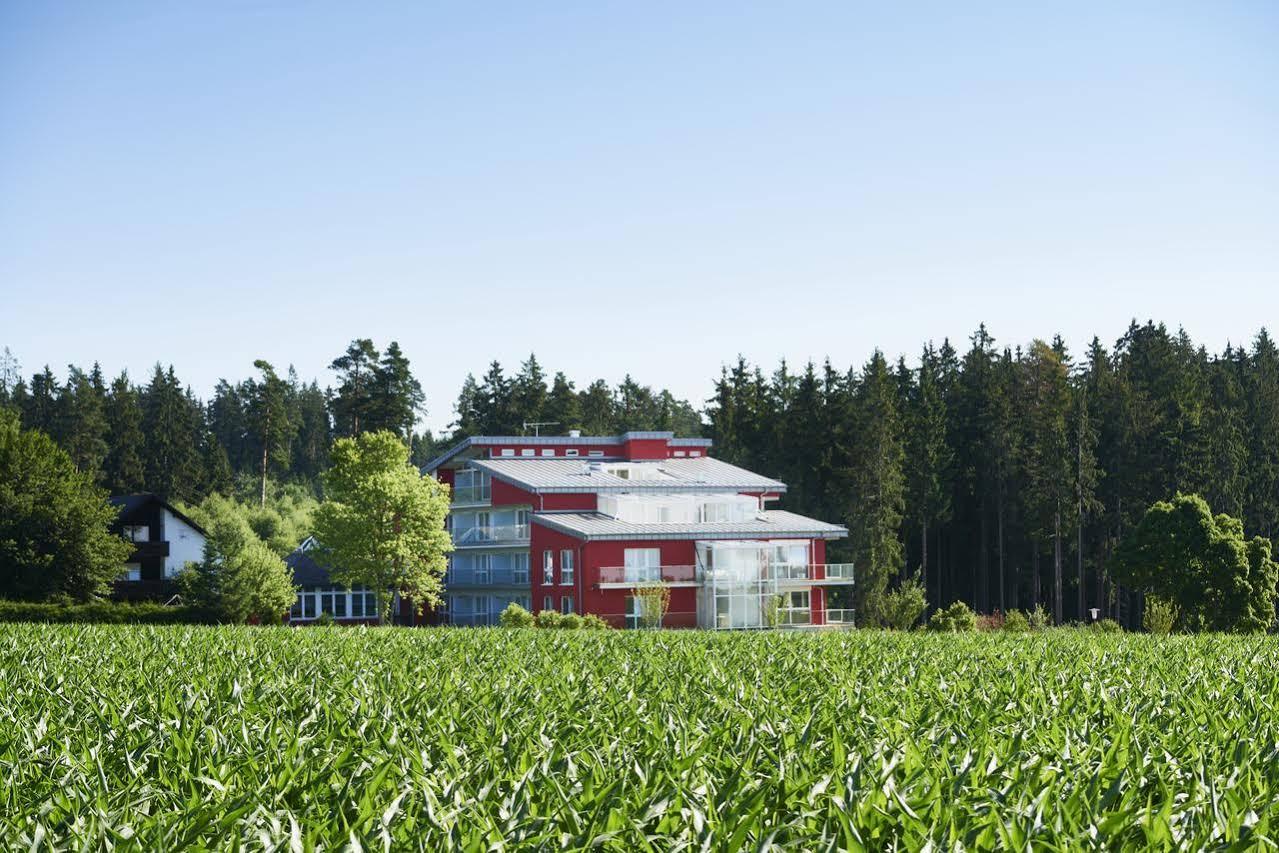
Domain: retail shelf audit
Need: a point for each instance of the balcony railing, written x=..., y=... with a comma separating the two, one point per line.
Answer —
x=648, y=574
x=486, y=577
x=471, y=494
x=480, y=535
x=839, y=617
x=838, y=571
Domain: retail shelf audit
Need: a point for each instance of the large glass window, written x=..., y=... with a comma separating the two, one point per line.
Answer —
x=796, y=609
x=566, y=567
x=566, y=604
x=643, y=565
x=548, y=567
x=137, y=533
x=633, y=611
x=519, y=568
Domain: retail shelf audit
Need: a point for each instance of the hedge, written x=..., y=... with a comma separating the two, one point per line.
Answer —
x=108, y=612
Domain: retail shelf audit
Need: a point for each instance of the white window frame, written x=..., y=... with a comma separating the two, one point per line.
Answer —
x=633, y=611
x=519, y=568
x=680, y=453
x=548, y=451
x=548, y=567
x=642, y=565
x=548, y=602
x=506, y=451
x=597, y=454
x=527, y=451
x=566, y=567
x=567, y=605
x=572, y=451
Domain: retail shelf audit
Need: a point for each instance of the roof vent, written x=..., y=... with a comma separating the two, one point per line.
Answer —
x=575, y=433
x=595, y=467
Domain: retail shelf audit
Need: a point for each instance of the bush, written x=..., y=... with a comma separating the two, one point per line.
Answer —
x=957, y=617
x=1016, y=622
x=571, y=621
x=1039, y=619
x=591, y=622
x=1106, y=626
x=548, y=619
x=324, y=619
x=901, y=608
x=1160, y=616
x=990, y=622
x=515, y=616
x=103, y=612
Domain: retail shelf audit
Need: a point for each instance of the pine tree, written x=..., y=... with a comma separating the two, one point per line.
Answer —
x=81, y=416
x=397, y=399
x=876, y=484
x=599, y=411
x=172, y=423
x=124, y=472
x=40, y=407
x=528, y=395
x=467, y=409
x=929, y=455
x=494, y=411
x=562, y=406
x=269, y=418
x=357, y=373
x=1263, y=454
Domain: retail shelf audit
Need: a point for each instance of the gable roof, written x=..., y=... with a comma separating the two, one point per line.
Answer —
x=689, y=474
x=130, y=505
x=306, y=571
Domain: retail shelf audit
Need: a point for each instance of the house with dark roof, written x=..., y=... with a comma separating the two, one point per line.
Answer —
x=318, y=594
x=164, y=541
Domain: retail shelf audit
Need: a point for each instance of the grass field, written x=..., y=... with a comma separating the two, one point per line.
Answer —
x=171, y=737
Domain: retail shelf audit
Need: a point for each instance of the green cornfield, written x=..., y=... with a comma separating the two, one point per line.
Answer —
x=163, y=738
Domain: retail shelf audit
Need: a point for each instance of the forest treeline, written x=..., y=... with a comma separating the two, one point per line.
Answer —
x=1004, y=476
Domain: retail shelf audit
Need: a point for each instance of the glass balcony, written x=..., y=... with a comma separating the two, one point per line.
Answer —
x=478, y=494
x=466, y=576
x=839, y=617
x=838, y=571
x=502, y=534
x=647, y=574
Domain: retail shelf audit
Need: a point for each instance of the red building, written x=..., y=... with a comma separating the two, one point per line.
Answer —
x=575, y=523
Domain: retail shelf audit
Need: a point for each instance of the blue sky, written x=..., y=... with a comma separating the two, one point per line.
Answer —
x=641, y=187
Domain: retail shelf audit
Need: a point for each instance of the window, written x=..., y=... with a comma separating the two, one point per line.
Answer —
x=566, y=568
x=595, y=453
x=548, y=602
x=566, y=604
x=482, y=568
x=507, y=451
x=680, y=453
x=549, y=451
x=795, y=608
x=572, y=451
x=694, y=453
x=308, y=605
x=643, y=565
x=132, y=572
x=548, y=567
x=295, y=612
x=527, y=451
x=633, y=611
x=137, y=533
x=357, y=605
x=519, y=569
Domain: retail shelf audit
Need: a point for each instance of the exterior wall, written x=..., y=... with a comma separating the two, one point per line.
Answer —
x=543, y=539
x=502, y=493
x=817, y=598
x=186, y=545
x=646, y=448
x=557, y=451
x=560, y=501
x=611, y=603
x=446, y=475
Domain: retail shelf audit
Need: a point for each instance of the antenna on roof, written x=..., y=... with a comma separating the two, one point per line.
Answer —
x=537, y=425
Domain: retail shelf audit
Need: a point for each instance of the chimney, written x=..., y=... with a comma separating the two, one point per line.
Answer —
x=575, y=433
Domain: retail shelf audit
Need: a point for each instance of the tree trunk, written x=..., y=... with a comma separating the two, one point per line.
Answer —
x=265, y=449
x=1034, y=568
x=923, y=560
x=1002, y=581
x=981, y=582
x=1057, y=571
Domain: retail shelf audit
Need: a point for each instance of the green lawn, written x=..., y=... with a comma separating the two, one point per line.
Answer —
x=163, y=737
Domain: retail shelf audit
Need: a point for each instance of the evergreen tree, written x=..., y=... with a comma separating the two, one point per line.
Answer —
x=929, y=455
x=269, y=418
x=495, y=413
x=82, y=424
x=562, y=406
x=598, y=409
x=172, y=423
x=397, y=397
x=357, y=373
x=1263, y=452
x=40, y=408
x=876, y=485
x=124, y=471
x=528, y=396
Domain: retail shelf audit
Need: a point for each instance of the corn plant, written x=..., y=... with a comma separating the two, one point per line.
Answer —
x=177, y=737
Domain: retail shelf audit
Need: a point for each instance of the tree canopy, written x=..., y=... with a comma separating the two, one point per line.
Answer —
x=382, y=523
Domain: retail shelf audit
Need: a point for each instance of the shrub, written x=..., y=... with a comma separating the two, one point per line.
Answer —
x=1016, y=621
x=515, y=616
x=1160, y=616
x=103, y=612
x=548, y=619
x=654, y=601
x=571, y=621
x=1106, y=626
x=591, y=622
x=901, y=608
x=325, y=618
x=957, y=617
x=990, y=621
x=1039, y=619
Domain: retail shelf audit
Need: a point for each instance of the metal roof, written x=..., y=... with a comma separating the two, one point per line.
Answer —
x=689, y=474
x=560, y=440
x=768, y=524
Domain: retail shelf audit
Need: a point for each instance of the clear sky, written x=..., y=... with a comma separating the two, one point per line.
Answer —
x=642, y=187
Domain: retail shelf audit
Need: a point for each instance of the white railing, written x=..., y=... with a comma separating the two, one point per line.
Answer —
x=838, y=571
x=839, y=616
x=491, y=533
